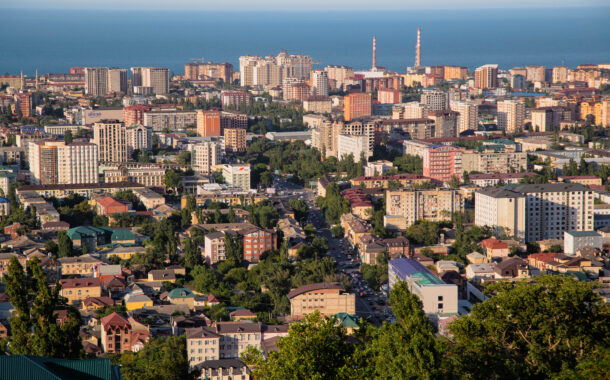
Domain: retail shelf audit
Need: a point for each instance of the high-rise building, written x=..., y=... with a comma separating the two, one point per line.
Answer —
x=418, y=49
x=535, y=212
x=208, y=71
x=535, y=73
x=405, y=207
x=605, y=122
x=117, y=80
x=517, y=82
x=324, y=139
x=468, y=118
x=154, y=78
x=511, y=115
x=319, y=83
x=208, y=123
x=411, y=110
x=542, y=119
x=271, y=71
x=455, y=73
x=138, y=137
x=298, y=91
x=234, y=98
x=237, y=175
x=435, y=100
x=337, y=75
x=355, y=145
x=389, y=96
x=96, y=81
x=357, y=104
x=235, y=140
x=110, y=137
x=54, y=162
x=442, y=162
x=560, y=74
x=24, y=104
x=445, y=123
x=134, y=114
x=205, y=156
x=486, y=76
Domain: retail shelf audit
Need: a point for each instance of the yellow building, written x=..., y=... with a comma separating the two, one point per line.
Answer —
x=591, y=108
x=354, y=228
x=82, y=265
x=329, y=298
x=136, y=301
x=124, y=253
x=77, y=289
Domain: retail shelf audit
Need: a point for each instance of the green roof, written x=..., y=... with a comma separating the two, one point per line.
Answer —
x=428, y=278
x=119, y=234
x=348, y=320
x=122, y=234
x=17, y=367
x=583, y=233
x=181, y=293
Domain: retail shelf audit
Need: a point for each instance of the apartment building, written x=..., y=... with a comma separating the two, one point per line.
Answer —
x=208, y=71
x=169, y=119
x=389, y=96
x=235, y=140
x=455, y=73
x=208, y=123
x=439, y=299
x=442, y=162
x=355, y=145
x=489, y=161
x=234, y=98
x=356, y=105
x=404, y=207
x=256, y=241
x=338, y=75
x=411, y=110
x=536, y=212
x=214, y=247
x=542, y=119
x=271, y=71
x=317, y=104
x=535, y=73
x=138, y=137
x=468, y=115
x=110, y=137
x=445, y=123
x=149, y=175
x=154, y=80
x=329, y=298
x=435, y=100
x=134, y=114
x=324, y=138
x=120, y=335
x=55, y=162
x=511, y=115
x=96, y=81
x=117, y=80
x=237, y=175
x=319, y=83
x=486, y=77
x=560, y=74
x=205, y=156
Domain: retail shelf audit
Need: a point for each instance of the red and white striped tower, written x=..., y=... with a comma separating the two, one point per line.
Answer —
x=418, y=49
x=374, y=53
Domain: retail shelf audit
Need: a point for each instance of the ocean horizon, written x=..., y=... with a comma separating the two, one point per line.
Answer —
x=52, y=41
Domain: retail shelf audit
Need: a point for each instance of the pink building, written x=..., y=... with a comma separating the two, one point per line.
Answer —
x=442, y=162
x=234, y=98
x=388, y=96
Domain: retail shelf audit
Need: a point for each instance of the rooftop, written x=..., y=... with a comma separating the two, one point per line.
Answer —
x=404, y=268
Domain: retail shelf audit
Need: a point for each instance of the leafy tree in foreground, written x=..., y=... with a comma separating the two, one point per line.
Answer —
x=161, y=358
x=408, y=348
x=314, y=349
x=531, y=330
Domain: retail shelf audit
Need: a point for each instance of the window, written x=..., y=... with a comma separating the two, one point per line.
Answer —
x=440, y=298
x=440, y=306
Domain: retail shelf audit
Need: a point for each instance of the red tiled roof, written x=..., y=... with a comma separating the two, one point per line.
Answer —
x=114, y=320
x=79, y=282
x=493, y=243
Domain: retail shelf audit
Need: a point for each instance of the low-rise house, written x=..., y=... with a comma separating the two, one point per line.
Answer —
x=77, y=289
x=162, y=275
x=480, y=271
x=134, y=301
x=94, y=237
x=494, y=248
x=114, y=284
x=182, y=296
x=476, y=258
x=242, y=314
x=150, y=199
x=108, y=206
x=94, y=303
x=443, y=266
x=329, y=298
x=397, y=247
x=511, y=268
x=206, y=300
x=123, y=252
x=354, y=228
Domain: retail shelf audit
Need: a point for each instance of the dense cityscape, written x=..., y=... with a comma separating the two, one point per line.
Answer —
x=293, y=219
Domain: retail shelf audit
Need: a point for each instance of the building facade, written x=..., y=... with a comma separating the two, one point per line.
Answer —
x=111, y=138
x=405, y=207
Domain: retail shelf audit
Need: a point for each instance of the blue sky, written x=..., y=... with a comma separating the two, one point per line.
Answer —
x=310, y=5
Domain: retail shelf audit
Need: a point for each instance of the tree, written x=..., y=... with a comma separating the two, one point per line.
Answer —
x=409, y=342
x=64, y=244
x=34, y=326
x=531, y=330
x=172, y=179
x=68, y=137
x=161, y=358
x=192, y=257
x=313, y=349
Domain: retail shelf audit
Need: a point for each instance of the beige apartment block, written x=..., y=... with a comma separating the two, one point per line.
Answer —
x=328, y=298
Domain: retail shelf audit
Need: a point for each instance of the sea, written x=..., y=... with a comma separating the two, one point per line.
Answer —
x=52, y=41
